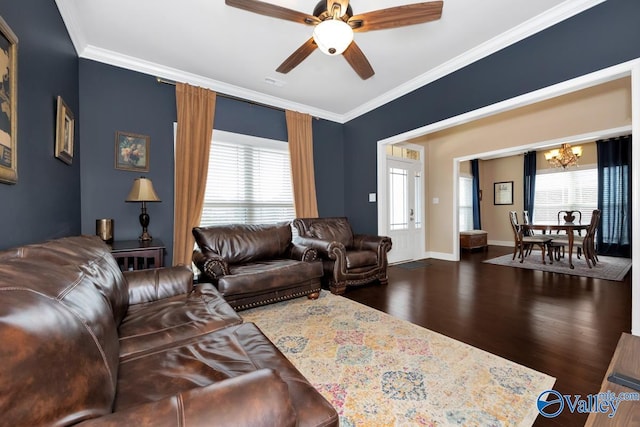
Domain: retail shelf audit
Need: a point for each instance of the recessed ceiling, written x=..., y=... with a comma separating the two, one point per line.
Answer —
x=235, y=52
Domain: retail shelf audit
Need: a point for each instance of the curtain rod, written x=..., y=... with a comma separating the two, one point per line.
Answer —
x=235, y=98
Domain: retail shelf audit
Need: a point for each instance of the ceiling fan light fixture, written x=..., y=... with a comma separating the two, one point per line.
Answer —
x=333, y=36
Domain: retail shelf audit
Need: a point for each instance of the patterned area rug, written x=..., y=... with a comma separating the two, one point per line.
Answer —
x=608, y=268
x=378, y=370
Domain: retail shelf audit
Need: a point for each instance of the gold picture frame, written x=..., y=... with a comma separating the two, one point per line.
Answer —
x=8, y=105
x=65, y=124
x=132, y=152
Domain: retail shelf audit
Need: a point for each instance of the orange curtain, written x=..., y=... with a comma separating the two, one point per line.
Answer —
x=196, y=108
x=300, y=135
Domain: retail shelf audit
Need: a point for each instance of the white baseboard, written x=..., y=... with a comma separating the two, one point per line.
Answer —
x=452, y=257
x=441, y=255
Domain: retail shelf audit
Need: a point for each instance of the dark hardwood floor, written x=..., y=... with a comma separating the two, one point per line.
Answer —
x=564, y=326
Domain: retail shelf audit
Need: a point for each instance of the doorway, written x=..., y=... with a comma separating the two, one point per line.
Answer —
x=404, y=201
x=630, y=68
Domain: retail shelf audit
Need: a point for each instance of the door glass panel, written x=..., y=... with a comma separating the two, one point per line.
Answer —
x=398, y=180
x=417, y=202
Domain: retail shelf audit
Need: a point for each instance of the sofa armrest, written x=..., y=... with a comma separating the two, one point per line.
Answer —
x=212, y=266
x=371, y=242
x=154, y=284
x=303, y=253
x=256, y=399
x=325, y=249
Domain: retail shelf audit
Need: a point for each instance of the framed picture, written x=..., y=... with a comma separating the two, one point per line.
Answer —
x=503, y=193
x=64, y=132
x=132, y=152
x=8, y=105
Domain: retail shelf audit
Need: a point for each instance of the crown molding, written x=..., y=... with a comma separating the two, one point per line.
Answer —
x=545, y=20
x=73, y=28
x=534, y=25
x=128, y=62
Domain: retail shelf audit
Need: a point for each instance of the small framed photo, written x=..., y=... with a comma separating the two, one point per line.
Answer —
x=8, y=105
x=132, y=152
x=64, y=132
x=503, y=193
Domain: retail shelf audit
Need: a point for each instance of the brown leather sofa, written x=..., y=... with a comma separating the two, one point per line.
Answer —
x=83, y=343
x=348, y=259
x=253, y=265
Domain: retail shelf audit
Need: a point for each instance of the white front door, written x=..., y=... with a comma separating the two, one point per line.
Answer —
x=404, y=200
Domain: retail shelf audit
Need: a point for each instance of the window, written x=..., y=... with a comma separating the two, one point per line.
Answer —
x=249, y=181
x=574, y=189
x=398, y=186
x=465, y=203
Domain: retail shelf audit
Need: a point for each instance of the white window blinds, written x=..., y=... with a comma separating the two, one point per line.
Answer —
x=572, y=189
x=249, y=181
x=465, y=203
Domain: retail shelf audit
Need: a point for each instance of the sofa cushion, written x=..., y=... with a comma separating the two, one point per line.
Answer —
x=356, y=259
x=59, y=343
x=267, y=276
x=332, y=230
x=242, y=243
x=90, y=255
x=213, y=358
x=169, y=321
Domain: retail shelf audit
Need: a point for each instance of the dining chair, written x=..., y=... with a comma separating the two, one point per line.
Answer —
x=569, y=216
x=524, y=243
x=585, y=244
x=566, y=216
x=525, y=220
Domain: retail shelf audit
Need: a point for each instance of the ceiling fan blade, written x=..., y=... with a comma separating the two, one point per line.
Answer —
x=297, y=57
x=273, y=10
x=355, y=57
x=398, y=16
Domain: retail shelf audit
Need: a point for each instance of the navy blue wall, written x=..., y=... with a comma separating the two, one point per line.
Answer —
x=605, y=35
x=114, y=99
x=45, y=203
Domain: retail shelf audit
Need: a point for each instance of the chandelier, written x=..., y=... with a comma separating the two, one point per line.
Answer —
x=564, y=156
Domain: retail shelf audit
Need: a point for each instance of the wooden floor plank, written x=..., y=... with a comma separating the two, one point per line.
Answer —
x=562, y=325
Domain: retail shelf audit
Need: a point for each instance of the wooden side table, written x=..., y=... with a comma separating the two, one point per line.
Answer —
x=137, y=255
x=625, y=361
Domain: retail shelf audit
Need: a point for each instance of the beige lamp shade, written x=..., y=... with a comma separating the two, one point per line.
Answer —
x=142, y=191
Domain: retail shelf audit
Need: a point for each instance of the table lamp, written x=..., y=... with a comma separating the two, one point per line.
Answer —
x=142, y=191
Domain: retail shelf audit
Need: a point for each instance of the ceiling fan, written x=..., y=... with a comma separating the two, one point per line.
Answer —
x=335, y=24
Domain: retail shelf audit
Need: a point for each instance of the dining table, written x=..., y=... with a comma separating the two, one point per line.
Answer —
x=568, y=227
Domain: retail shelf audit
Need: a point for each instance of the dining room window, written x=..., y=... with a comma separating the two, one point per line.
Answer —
x=465, y=203
x=571, y=189
x=249, y=181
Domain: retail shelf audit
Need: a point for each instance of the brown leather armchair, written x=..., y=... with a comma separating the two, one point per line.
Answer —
x=348, y=259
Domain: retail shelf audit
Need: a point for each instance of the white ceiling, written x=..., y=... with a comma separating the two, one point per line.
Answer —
x=235, y=52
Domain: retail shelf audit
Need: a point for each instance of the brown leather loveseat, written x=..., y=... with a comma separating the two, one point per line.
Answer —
x=83, y=343
x=253, y=265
